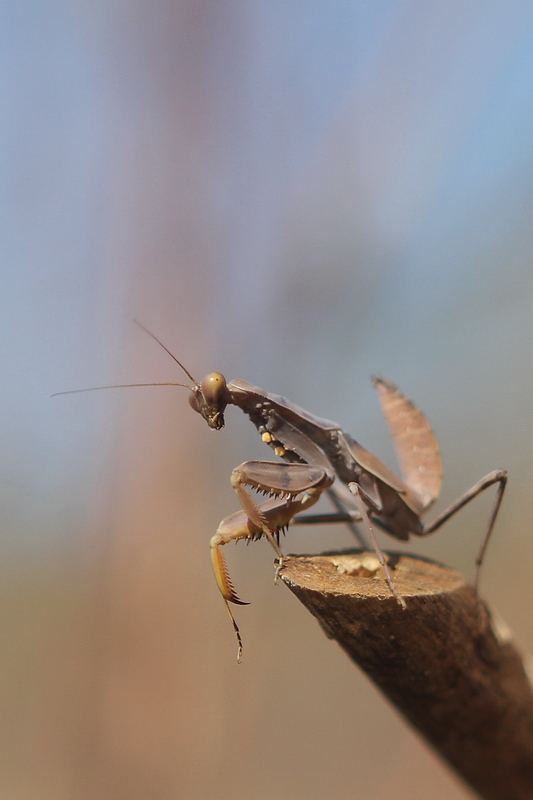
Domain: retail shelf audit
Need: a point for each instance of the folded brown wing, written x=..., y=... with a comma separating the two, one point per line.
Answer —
x=414, y=441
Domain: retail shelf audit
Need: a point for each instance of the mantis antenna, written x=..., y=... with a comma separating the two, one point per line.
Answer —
x=133, y=385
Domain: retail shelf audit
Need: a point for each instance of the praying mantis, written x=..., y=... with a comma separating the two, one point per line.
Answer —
x=317, y=456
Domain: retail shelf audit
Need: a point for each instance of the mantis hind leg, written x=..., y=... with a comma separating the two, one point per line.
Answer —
x=498, y=476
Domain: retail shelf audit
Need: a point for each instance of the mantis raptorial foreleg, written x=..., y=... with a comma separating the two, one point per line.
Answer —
x=287, y=480
x=271, y=516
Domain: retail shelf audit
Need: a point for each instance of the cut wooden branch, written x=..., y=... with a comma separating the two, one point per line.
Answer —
x=445, y=662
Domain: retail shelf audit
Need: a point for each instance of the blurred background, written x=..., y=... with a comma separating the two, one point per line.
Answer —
x=297, y=194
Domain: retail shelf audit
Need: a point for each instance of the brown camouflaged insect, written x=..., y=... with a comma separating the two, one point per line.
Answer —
x=317, y=456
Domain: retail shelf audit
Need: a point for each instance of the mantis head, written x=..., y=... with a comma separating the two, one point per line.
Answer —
x=210, y=398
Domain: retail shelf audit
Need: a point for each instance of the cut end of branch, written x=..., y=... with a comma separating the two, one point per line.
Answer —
x=358, y=574
x=442, y=660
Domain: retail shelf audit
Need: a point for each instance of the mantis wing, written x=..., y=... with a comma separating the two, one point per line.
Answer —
x=414, y=441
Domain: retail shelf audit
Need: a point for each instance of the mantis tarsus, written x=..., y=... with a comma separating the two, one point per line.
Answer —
x=317, y=456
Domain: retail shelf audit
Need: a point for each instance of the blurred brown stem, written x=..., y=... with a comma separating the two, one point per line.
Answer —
x=443, y=662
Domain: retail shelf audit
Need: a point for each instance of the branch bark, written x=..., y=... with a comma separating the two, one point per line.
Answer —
x=445, y=662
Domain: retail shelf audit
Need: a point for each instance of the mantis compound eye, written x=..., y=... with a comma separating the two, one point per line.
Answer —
x=210, y=398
